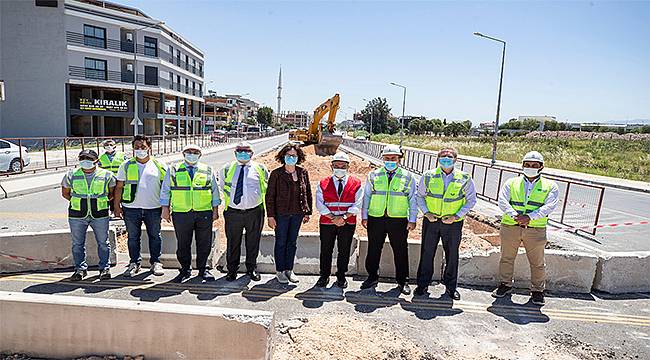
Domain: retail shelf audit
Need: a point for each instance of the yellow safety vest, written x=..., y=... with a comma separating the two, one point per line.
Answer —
x=133, y=177
x=109, y=165
x=443, y=202
x=89, y=201
x=229, y=174
x=191, y=194
x=389, y=199
x=523, y=206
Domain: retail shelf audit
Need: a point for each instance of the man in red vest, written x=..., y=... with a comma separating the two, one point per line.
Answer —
x=338, y=199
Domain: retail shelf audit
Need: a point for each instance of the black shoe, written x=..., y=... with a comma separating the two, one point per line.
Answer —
x=420, y=291
x=404, y=289
x=78, y=275
x=183, y=275
x=537, y=298
x=370, y=282
x=206, y=275
x=323, y=281
x=231, y=276
x=501, y=291
x=455, y=295
x=254, y=275
x=341, y=282
x=104, y=274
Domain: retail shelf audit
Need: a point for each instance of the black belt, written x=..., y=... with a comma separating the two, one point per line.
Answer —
x=243, y=210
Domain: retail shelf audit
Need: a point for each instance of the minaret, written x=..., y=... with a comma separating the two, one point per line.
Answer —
x=279, y=95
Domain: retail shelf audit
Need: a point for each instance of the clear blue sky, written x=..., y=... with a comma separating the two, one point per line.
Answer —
x=579, y=61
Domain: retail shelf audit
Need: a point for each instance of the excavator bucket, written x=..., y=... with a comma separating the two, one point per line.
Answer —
x=328, y=144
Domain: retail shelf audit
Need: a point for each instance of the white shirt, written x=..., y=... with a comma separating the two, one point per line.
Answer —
x=354, y=209
x=545, y=210
x=252, y=194
x=148, y=194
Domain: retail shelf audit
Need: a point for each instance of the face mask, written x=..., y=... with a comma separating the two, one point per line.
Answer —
x=109, y=148
x=86, y=164
x=243, y=156
x=290, y=160
x=532, y=172
x=390, y=165
x=191, y=158
x=340, y=173
x=446, y=163
x=141, y=154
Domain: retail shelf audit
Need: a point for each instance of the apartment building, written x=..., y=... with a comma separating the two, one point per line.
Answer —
x=71, y=68
x=296, y=118
x=227, y=109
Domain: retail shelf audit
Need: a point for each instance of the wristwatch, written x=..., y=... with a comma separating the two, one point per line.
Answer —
x=345, y=216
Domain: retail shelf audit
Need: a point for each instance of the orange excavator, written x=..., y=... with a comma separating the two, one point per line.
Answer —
x=322, y=137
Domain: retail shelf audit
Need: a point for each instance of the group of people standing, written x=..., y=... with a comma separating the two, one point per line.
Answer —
x=144, y=190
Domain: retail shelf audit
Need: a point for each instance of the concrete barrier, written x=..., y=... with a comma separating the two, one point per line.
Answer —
x=169, y=246
x=307, y=255
x=46, y=250
x=387, y=262
x=56, y=326
x=623, y=272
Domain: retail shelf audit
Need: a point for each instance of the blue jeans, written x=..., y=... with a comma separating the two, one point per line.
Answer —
x=286, y=235
x=133, y=218
x=78, y=228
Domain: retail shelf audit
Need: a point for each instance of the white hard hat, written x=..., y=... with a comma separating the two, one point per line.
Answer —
x=341, y=156
x=191, y=147
x=243, y=145
x=533, y=156
x=391, y=150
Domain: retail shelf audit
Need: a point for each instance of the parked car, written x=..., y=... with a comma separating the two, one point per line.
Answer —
x=219, y=136
x=360, y=139
x=10, y=156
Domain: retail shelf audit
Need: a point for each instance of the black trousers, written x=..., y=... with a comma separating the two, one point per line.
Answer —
x=451, y=235
x=342, y=236
x=236, y=221
x=197, y=224
x=395, y=228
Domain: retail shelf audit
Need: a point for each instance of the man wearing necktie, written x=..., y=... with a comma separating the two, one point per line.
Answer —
x=190, y=192
x=244, y=209
x=338, y=199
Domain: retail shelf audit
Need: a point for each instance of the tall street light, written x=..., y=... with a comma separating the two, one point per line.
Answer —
x=204, y=120
x=496, y=122
x=372, y=112
x=136, y=117
x=401, y=128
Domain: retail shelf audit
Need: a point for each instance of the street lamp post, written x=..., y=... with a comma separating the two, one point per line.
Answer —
x=372, y=112
x=496, y=122
x=204, y=120
x=136, y=117
x=401, y=129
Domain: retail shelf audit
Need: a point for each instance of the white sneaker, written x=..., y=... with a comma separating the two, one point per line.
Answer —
x=291, y=276
x=282, y=278
x=157, y=269
x=132, y=270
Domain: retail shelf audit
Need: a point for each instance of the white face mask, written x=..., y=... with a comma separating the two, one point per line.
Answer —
x=86, y=164
x=191, y=158
x=532, y=172
x=109, y=148
x=141, y=154
x=340, y=173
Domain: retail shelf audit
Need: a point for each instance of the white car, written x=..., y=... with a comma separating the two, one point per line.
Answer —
x=10, y=157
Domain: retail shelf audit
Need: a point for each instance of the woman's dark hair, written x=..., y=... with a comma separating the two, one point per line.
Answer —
x=286, y=148
x=145, y=139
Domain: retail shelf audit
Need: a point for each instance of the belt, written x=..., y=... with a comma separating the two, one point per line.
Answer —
x=243, y=210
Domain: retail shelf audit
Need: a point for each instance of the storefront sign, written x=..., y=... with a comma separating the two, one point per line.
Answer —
x=102, y=105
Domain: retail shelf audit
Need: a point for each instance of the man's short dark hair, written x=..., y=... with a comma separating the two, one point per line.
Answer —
x=142, y=138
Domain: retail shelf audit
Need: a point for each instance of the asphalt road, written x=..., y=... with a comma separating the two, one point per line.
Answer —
x=47, y=210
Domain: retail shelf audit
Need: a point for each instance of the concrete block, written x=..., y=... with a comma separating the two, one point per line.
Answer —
x=169, y=246
x=387, y=262
x=307, y=255
x=66, y=327
x=479, y=269
x=623, y=272
x=46, y=250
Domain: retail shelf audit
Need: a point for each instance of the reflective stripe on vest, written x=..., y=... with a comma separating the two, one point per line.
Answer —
x=113, y=165
x=133, y=177
x=443, y=202
x=389, y=199
x=89, y=201
x=339, y=205
x=230, y=174
x=536, y=199
x=189, y=194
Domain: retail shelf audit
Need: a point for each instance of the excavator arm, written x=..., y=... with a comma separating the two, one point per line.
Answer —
x=330, y=105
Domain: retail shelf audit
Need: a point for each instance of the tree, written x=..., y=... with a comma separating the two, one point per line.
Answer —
x=456, y=128
x=265, y=116
x=380, y=112
x=249, y=121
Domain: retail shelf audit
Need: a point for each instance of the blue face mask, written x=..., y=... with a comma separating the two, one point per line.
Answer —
x=446, y=163
x=243, y=155
x=390, y=165
x=290, y=160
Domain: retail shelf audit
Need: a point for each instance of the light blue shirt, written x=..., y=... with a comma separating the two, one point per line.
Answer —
x=545, y=210
x=413, y=205
x=165, y=189
x=470, y=194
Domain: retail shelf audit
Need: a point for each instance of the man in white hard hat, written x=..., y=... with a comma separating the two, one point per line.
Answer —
x=389, y=208
x=190, y=196
x=526, y=201
x=338, y=199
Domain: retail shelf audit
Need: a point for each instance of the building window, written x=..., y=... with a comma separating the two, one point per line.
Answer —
x=178, y=58
x=201, y=69
x=47, y=3
x=187, y=62
x=150, y=46
x=171, y=80
x=150, y=75
x=178, y=83
x=200, y=90
x=187, y=86
x=94, y=36
x=95, y=69
x=171, y=54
